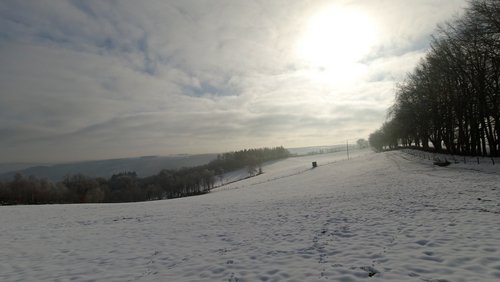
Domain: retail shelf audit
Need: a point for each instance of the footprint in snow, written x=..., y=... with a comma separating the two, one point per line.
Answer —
x=422, y=242
x=370, y=270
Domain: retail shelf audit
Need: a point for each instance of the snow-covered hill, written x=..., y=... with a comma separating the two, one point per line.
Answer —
x=377, y=217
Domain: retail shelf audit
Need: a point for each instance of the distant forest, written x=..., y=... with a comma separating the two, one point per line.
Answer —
x=452, y=98
x=127, y=187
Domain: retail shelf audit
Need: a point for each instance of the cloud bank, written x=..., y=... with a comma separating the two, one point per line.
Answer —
x=105, y=79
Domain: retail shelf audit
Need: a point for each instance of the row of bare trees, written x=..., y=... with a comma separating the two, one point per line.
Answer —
x=451, y=100
x=252, y=159
x=122, y=187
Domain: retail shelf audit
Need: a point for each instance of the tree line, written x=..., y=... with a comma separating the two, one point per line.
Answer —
x=451, y=100
x=128, y=187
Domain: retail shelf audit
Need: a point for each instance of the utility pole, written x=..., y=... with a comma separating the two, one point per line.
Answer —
x=347, y=141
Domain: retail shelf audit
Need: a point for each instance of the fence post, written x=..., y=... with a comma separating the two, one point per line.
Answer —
x=347, y=149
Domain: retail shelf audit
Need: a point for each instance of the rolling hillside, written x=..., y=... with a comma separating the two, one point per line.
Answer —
x=143, y=166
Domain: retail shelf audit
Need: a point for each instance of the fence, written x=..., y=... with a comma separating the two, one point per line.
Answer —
x=452, y=158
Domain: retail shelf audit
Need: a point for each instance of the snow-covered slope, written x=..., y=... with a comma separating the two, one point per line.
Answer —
x=288, y=167
x=377, y=217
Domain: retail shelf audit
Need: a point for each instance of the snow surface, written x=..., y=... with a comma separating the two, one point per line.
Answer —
x=377, y=217
x=292, y=166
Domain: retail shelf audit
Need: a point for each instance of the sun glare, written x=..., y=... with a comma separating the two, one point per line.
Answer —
x=336, y=39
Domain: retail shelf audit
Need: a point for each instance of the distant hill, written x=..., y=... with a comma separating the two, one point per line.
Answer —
x=8, y=167
x=143, y=166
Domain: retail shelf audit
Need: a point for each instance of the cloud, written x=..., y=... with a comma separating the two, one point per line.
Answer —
x=104, y=79
x=406, y=27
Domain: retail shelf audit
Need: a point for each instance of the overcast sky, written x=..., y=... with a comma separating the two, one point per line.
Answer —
x=104, y=79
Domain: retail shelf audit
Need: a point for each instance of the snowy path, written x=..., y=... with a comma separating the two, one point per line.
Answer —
x=377, y=217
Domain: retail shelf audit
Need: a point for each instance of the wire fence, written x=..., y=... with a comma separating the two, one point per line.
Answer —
x=452, y=158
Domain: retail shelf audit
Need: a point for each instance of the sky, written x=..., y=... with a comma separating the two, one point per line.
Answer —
x=84, y=80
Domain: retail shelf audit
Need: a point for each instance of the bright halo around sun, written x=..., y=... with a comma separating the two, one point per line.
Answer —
x=335, y=39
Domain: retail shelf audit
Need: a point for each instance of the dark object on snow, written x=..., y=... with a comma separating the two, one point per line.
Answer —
x=315, y=164
x=371, y=271
x=441, y=163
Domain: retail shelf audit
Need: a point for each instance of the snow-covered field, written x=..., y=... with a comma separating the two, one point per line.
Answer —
x=376, y=217
x=295, y=165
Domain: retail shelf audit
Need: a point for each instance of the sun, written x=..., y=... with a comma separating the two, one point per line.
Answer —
x=336, y=38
